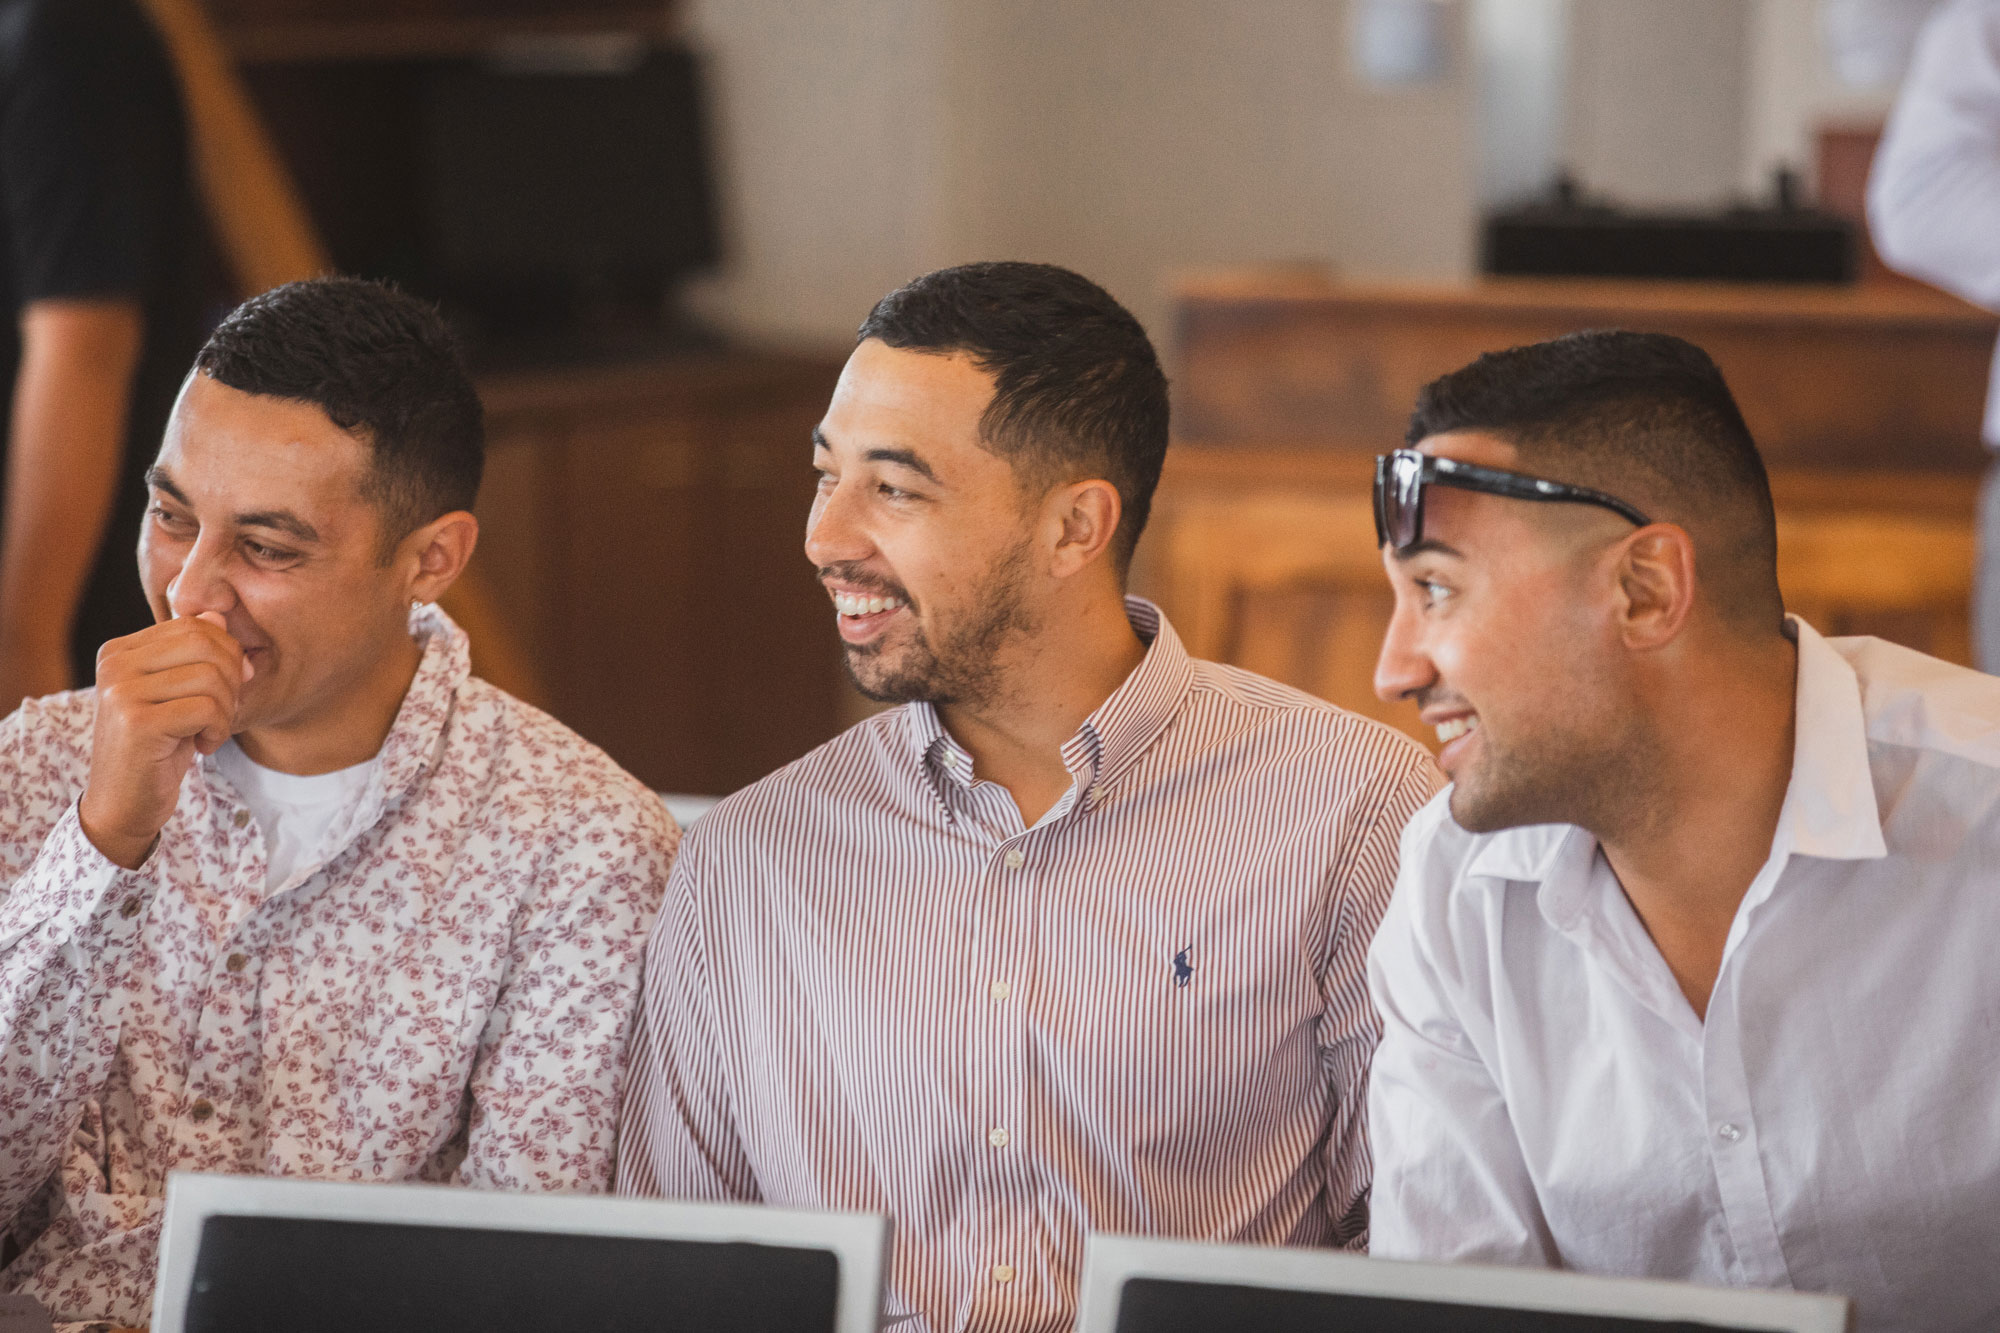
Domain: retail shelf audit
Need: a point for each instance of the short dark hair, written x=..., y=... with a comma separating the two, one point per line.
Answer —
x=1077, y=388
x=384, y=367
x=1643, y=416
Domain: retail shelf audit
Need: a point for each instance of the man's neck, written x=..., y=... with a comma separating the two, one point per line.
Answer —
x=1711, y=810
x=1016, y=739
x=350, y=733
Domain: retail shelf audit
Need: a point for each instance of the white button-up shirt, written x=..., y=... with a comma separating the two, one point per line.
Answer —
x=1544, y=1094
x=1934, y=191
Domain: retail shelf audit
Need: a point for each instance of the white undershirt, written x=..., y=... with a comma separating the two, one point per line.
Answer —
x=294, y=813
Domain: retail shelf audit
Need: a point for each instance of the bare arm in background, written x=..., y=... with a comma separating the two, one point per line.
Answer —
x=71, y=396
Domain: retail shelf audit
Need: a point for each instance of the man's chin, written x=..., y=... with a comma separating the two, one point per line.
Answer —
x=878, y=679
x=1478, y=809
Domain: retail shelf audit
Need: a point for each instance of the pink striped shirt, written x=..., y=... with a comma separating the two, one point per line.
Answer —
x=873, y=989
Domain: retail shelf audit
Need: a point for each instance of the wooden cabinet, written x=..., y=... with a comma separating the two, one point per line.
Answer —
x=1866, y=403
x=642, y=527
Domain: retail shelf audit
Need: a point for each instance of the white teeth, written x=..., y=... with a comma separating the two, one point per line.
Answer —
x=850, y=605
x=1450, y=731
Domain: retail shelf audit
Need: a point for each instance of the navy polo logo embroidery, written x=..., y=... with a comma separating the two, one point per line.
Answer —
x=1183, y=968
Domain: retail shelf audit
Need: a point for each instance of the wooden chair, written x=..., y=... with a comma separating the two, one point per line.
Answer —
x=269, y=239
x=1284, y=583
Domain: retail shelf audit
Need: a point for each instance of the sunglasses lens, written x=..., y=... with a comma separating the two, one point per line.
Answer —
x=1381, y=499
x=1399, y=494
x=1409, y=509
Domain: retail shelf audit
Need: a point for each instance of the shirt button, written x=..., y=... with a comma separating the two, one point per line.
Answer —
x=201, y=1110
x=129, y=908
x=237, y=962
x=241, y=818
x=951, y=759
x=999, y=990
x=1013, y=858
x=998, y=1138
x=1003, y=1273
x=1728, y=1131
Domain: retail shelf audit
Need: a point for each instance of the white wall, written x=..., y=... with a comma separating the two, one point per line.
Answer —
x=1798, y=51
x=1656, y=98
x=865, y=141
x=861, y=142
x=827, y=145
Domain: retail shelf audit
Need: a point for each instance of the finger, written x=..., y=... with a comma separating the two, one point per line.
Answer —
x=198, y=718
x=170, y=644
x=215, y=618
x=157, y=687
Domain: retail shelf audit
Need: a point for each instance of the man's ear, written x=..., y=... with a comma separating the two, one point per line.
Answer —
x=1084, y=515
x=1656, y=574
x=439, y=551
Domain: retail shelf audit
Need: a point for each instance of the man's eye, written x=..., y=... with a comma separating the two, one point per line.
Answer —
x=889, y=492
x=165, y=518
x=267, y=553
x=1432, y=593
x=826, y=480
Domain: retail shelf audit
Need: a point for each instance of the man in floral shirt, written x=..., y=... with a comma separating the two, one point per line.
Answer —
x=290, y=892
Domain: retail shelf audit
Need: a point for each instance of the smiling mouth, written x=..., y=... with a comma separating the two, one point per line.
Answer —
x=1452, y=728
x=857, y=607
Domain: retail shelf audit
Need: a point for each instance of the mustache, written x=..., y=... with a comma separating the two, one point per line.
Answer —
x=854, y=576
x=1434, y=694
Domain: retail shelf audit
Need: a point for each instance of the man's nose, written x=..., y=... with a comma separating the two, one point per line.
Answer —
x=203, y=582
x=1402, y=668
x=833, y=533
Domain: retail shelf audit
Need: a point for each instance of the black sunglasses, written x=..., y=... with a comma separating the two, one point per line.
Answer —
x=1400, y=479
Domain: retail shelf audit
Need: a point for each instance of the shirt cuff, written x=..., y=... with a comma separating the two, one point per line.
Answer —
x=73, y=888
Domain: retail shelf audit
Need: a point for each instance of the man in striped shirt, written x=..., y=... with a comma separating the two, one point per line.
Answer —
x=1074, y=938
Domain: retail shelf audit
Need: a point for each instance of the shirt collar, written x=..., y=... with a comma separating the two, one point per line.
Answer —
x=1110, y=740
x=416, y=737
x=1829, y=809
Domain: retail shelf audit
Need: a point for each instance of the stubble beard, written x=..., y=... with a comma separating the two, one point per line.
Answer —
x=964, y=665
x=1591, y=777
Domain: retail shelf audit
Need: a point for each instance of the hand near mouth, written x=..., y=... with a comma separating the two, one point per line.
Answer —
x=163, y=695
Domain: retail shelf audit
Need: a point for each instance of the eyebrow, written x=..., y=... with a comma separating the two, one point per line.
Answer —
x=908, y=458
x=279, y=520
x=904, y=458
x=1428, y=546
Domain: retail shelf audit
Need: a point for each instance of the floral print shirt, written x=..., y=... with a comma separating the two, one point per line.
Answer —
x=441, y=993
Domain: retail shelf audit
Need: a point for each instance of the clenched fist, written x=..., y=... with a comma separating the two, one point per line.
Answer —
x=163, y=695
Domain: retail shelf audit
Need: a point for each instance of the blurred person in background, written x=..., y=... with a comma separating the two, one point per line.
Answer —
x=1934, y=212
x=98, y=224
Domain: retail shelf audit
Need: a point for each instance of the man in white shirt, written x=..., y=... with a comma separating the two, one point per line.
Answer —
x=1934, y=213
x=1689, y=973
x=290, y=892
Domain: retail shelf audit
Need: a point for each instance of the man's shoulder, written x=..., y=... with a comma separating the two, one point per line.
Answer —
x=841, y=774
x=1919, y=702
x=55, y=728
x=528, y=755
x=1243, y=702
